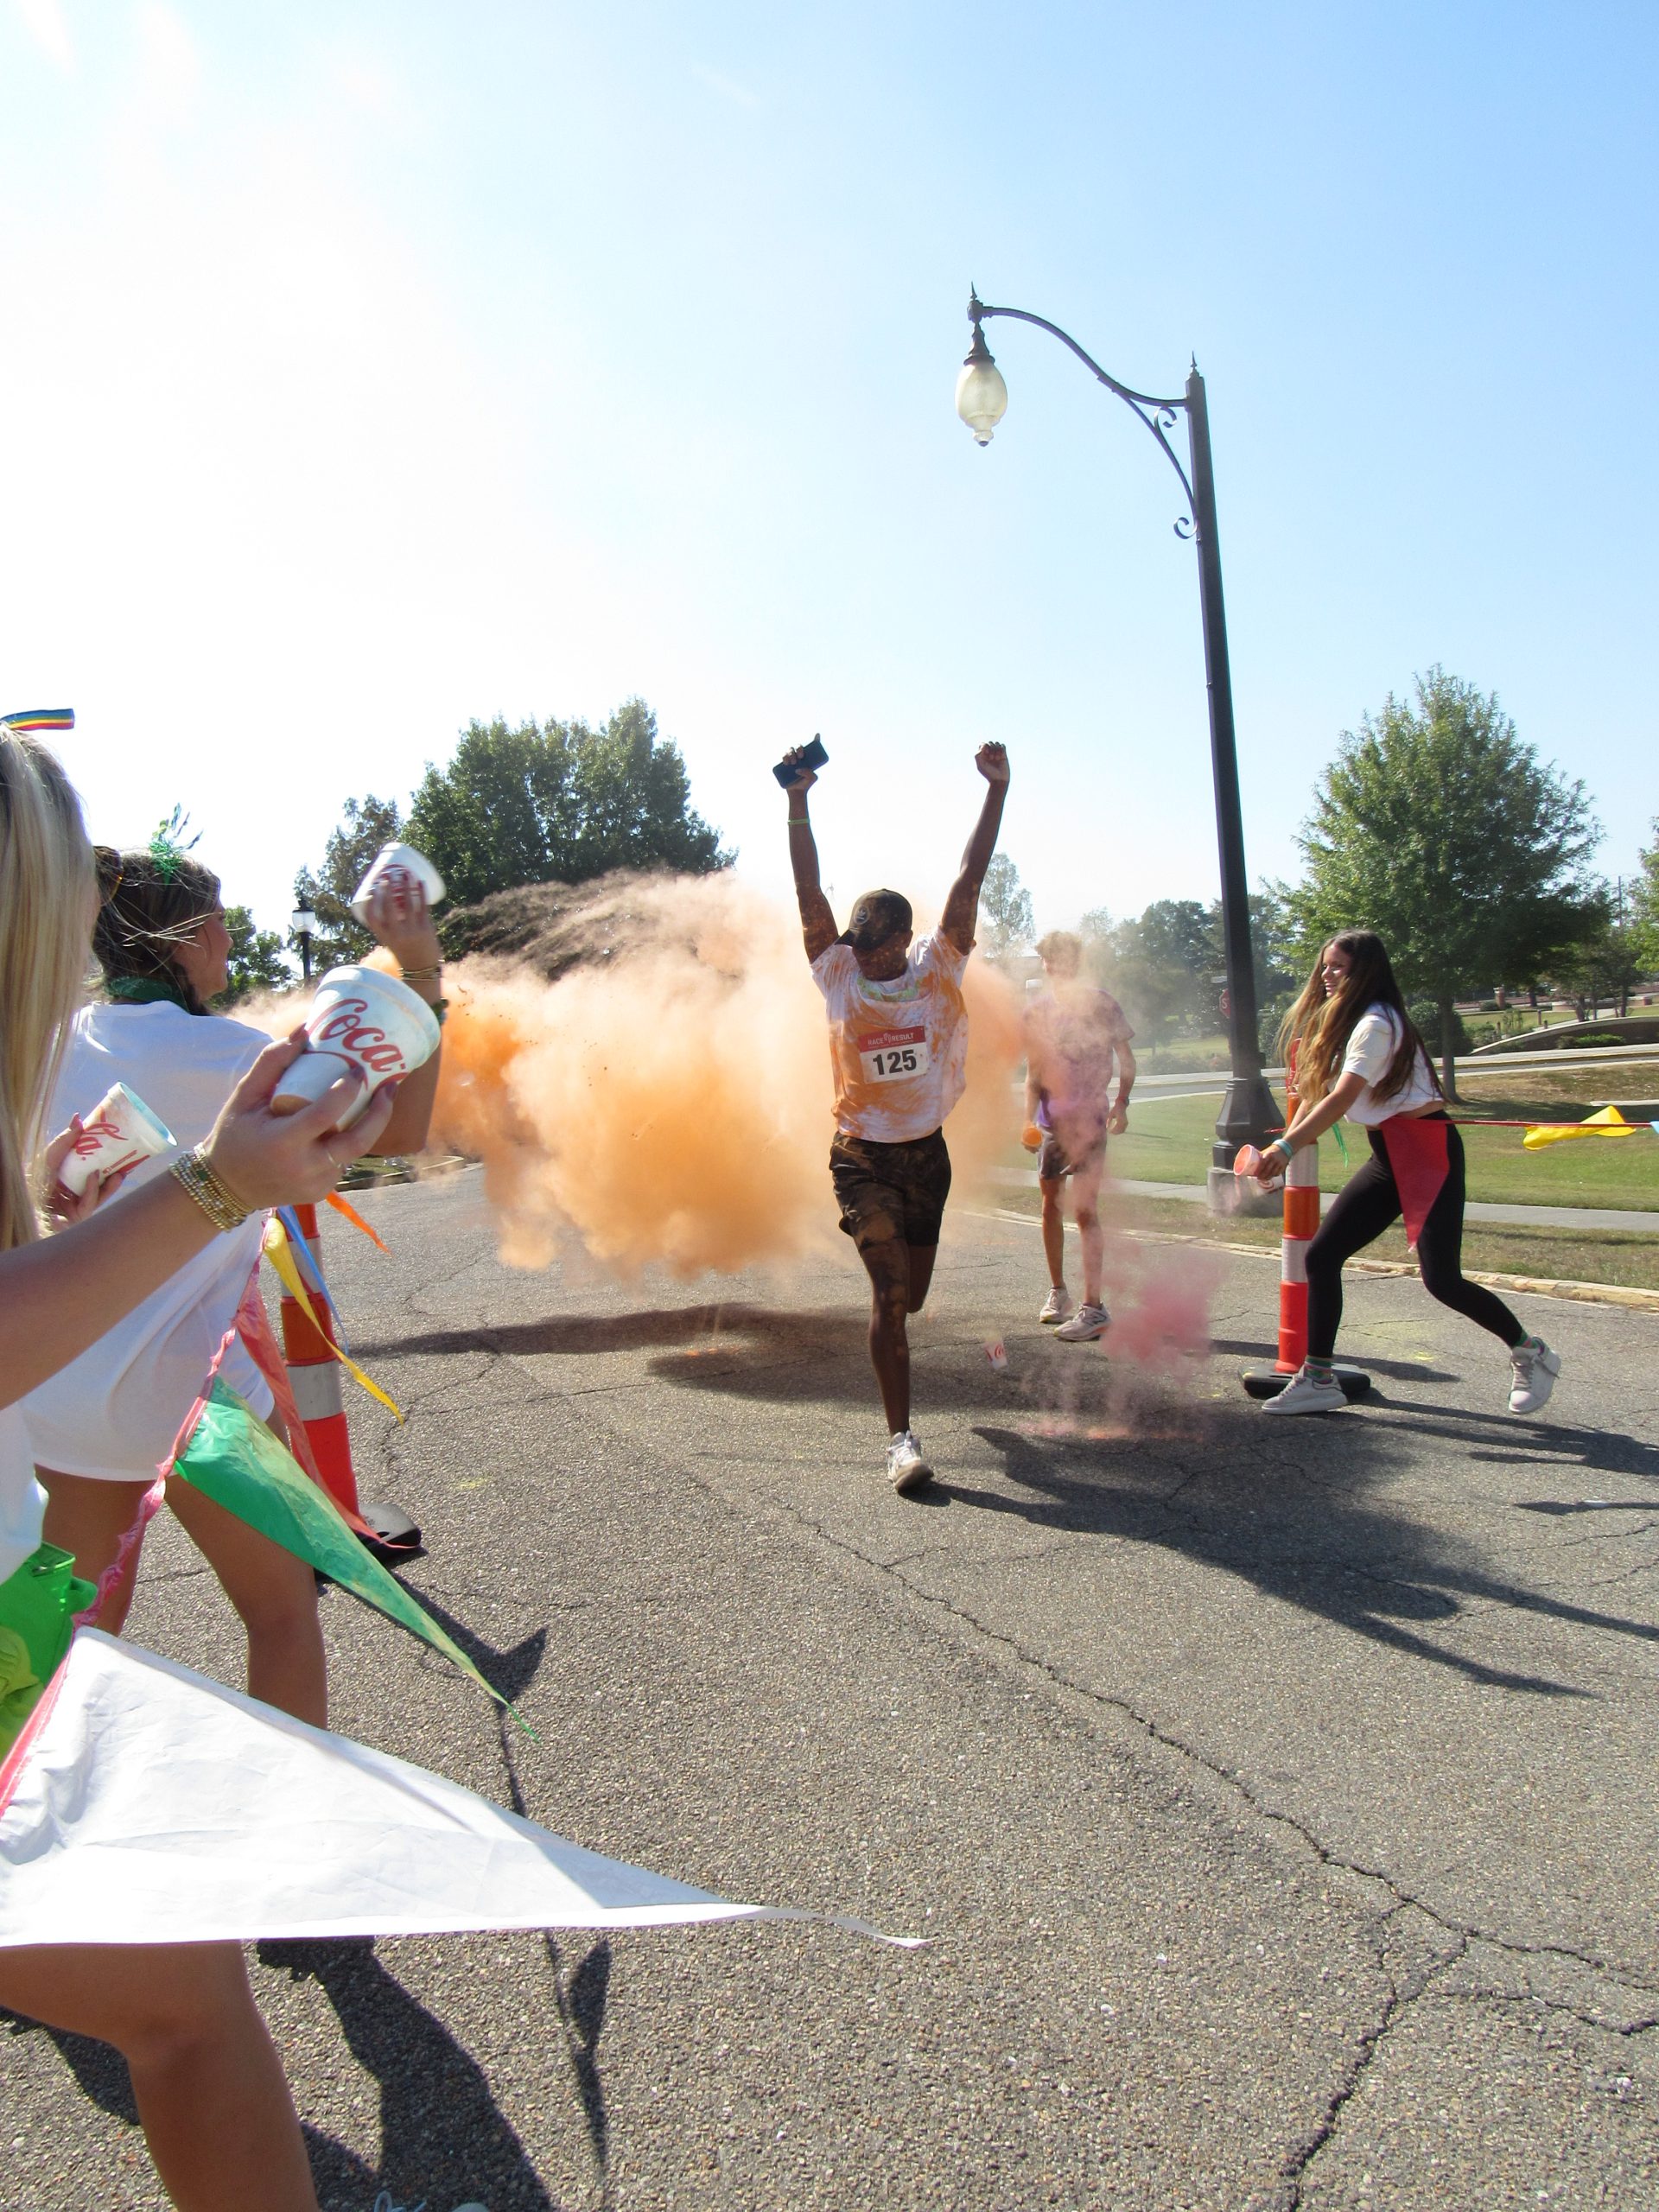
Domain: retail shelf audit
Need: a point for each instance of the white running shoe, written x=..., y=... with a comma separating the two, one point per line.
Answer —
x=906, y=1469
x=1056, y=1306
x=1088, y=1322
x=1534, y=1367
x=1302, y=1394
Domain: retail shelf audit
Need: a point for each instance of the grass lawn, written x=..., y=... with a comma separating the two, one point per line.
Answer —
x=1169, y=1141
x=1566, y=1255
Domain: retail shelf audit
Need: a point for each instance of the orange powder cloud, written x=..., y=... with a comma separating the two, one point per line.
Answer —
x=670, y=1102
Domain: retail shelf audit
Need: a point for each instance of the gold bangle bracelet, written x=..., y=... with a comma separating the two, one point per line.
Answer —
x=423, y=975
x=222, y=1207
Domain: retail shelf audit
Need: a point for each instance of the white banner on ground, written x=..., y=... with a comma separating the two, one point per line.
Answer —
x=155, y=1806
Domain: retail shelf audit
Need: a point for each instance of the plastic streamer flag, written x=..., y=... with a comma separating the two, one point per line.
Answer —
x=1610, y=1122
x=344, y=1206
x=143, y=1803
x=280, y=1250
x=229, y=1455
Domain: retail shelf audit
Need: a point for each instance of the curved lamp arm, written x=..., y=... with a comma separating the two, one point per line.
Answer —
x=1158, y=415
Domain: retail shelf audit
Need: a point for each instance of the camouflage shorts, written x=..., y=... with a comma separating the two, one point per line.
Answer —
x=891, y=1192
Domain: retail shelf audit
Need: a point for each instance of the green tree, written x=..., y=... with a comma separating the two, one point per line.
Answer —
x=1439, y=828
x=367, y=824
x=1644, y=904
x=560, y=803
x=1005, y=909
x=256, y=961
x=1604, y=963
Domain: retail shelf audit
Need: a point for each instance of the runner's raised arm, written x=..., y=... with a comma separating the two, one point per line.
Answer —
x=817, y=918
x=962, y=907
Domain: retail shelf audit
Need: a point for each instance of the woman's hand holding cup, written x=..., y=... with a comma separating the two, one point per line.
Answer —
x=66, y=1207
x=399, y=918
x=270, y=1159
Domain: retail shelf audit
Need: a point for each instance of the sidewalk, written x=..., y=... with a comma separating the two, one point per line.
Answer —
x=1025, y=1179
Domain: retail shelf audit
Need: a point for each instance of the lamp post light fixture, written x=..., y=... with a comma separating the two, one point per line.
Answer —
x=1248, y=1110
x=302, y=924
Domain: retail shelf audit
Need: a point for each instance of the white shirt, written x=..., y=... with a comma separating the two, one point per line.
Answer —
x=899, y=1049
x=22, y=1499
x=1371, y=1045
x=113, y=1414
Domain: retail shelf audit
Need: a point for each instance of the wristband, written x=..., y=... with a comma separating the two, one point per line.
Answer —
x=1283, y=1144
x=423, y=975
x=217, y=1201
x=796, y=821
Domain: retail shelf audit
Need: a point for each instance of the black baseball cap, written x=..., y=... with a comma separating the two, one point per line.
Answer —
x=876, y=917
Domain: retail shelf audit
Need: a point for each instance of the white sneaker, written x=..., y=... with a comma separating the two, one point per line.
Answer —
x=1088, y=1322
x=906, y=1469
x=1056, y=1306
x=1534, y=1367
x=1302, y=1394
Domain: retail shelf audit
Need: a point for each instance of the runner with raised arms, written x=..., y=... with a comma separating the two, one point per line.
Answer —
x=899, y=1046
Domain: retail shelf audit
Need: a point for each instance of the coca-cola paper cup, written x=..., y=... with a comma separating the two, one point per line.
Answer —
x=402, y=863
x=362, y=1019
x=118, y=1133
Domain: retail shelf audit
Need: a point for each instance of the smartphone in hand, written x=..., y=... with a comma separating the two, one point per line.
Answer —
x=813, y=756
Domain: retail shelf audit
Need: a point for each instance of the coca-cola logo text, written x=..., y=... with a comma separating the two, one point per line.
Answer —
x=93, y=1134
x=347, y=1027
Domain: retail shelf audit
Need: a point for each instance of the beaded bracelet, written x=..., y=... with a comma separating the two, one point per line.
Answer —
x=223, y=1208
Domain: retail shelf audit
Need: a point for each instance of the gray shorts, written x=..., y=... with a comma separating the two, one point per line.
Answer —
x=1055, y=1161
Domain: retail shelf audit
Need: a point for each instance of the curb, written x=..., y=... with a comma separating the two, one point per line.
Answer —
x=1582, y=1293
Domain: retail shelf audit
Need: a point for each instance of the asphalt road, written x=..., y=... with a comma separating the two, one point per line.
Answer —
x=1280, y=1797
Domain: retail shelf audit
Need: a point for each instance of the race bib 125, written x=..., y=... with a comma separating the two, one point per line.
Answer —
x=893, y=1055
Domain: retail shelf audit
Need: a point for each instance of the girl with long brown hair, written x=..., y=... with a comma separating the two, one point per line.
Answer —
x=1359, y=1055
x=209, y=2087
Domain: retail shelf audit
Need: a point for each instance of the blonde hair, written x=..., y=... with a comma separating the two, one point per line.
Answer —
x=47, y=889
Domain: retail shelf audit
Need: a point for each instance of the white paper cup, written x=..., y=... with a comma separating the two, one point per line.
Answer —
x=119, y=1132
x=398, y=861
x=359, y=1018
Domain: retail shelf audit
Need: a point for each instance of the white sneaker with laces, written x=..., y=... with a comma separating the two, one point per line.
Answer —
x=906, y=1469
x=1303, y=1395
x=1056, y=1306
x=1534, y=1367
x=1088, y=1322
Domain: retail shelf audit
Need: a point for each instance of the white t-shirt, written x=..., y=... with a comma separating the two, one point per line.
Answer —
x=899, y=1050
x=114, y=1413
x=22, y=1499
x=1372, y=1045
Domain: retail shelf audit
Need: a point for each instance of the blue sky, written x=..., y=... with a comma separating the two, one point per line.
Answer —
x=371, y=367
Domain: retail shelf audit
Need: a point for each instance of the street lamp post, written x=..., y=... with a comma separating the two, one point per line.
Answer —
x=1248, y=1111
x=302, y=925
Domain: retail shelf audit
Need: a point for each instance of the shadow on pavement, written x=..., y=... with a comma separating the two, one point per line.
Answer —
x=509, y=1672
x=591, y=1333
x=443, y=2138
x=1307, y=1540
x=1397, y=1370
x=100, y=2073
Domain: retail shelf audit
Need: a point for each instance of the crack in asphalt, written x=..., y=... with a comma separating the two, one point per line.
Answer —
x=1234, y=1783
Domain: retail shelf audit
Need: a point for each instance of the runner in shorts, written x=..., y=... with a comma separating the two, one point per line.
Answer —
x=1075, y=1035
x=898, y=1045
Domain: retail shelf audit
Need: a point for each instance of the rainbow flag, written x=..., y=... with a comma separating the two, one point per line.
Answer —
x=36, y=718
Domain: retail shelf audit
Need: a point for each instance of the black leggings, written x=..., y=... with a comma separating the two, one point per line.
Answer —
x=1367, y=1203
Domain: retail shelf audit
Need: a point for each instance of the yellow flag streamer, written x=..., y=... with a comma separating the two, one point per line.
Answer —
x=282, y=1258
x=1610, y=1122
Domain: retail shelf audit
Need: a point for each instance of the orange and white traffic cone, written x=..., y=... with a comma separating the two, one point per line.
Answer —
x=314, y=1376
x=1301, y=1221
